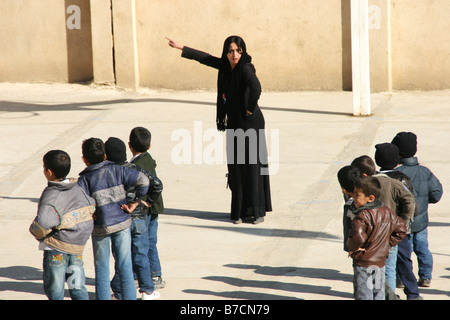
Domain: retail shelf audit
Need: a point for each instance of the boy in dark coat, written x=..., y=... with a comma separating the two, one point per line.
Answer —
x=387, y=158
x=139, y=144
x=427, y=189
x=347, y=176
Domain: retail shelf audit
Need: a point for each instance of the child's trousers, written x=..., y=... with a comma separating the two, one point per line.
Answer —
x=369, y=283
x=60, y=268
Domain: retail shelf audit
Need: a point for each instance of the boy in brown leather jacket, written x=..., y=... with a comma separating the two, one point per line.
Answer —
x=374, y=230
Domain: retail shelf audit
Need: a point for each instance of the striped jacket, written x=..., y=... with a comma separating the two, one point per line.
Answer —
x=107, y=183
x=64, y=218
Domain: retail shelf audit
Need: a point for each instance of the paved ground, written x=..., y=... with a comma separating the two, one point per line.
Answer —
x=295, y=254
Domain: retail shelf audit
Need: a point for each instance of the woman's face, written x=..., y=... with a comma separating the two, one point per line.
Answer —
x=234, y=54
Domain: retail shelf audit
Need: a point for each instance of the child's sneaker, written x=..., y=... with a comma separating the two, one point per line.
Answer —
x=424, y=282
x=152, y=296
x=158, y=282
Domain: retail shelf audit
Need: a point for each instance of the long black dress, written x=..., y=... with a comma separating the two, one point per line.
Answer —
x=238, y=91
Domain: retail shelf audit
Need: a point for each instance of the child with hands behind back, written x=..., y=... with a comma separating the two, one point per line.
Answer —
x=374, y=230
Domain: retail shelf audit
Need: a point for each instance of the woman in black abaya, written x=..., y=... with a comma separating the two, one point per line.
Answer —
x=238, y=91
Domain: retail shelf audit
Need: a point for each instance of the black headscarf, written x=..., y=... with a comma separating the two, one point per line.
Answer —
x=221, y=116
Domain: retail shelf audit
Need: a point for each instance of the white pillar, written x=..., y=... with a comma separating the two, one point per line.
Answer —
x=360, y=57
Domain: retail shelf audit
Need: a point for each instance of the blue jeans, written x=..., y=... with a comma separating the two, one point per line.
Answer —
x=424, y=257
x=121, y=249
x=153, y=256
x=369, y=283
x=60, y=268
x=391, y=268
x=139, y=250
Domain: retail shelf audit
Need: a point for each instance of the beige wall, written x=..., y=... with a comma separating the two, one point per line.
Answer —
x=33, y=41
x=421, y=44
x=38, y=47
x=295, y=45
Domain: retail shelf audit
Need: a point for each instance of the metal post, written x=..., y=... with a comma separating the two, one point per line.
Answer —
x=360, y=57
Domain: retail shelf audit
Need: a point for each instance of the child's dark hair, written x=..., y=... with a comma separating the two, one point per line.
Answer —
x=365, y=164
x=369, y=186
x=347, y=176
x=93, y=150
x=140, y=139
x=58, y=162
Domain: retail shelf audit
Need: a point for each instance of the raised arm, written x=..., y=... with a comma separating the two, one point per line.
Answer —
x=174, y=44
x=197, y=55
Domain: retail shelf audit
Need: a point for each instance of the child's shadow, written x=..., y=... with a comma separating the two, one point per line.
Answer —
x=35, y=200
x=29, y=280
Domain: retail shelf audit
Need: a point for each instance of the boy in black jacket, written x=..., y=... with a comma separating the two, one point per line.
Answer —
x=139, y=144
x=347, y=176
x=427, y=189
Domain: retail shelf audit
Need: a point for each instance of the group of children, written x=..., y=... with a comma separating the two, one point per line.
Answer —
x=115, y=202
x=386, y=219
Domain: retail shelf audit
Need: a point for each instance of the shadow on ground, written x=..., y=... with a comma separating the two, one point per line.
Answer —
x=29, y=280
x=285, y=288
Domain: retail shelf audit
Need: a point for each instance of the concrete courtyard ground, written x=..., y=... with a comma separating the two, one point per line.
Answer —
x=295, y=254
